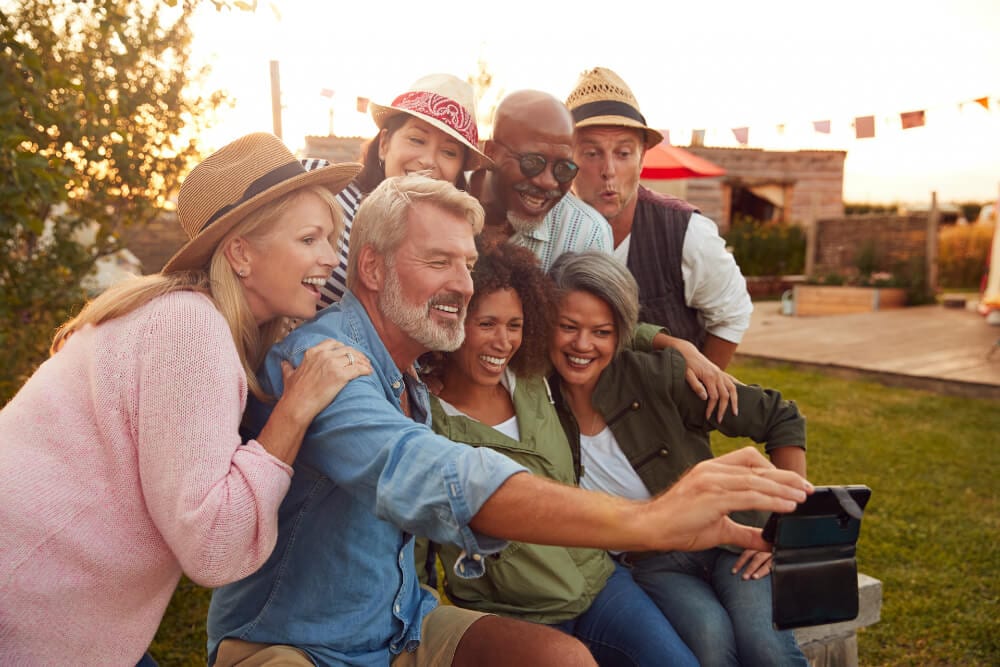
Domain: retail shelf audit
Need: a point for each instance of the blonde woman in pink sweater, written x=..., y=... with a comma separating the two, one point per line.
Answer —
x=122, y=465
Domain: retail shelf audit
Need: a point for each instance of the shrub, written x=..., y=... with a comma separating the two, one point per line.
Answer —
x=767, y=248
x=962, y=254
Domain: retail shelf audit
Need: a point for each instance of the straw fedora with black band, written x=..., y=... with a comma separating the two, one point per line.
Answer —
x=236, y=180
x=601, y=97
x=445, y=102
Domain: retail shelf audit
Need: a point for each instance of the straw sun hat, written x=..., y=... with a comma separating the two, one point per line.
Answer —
x=601, y=97
x=236, y=180
x=445, y=102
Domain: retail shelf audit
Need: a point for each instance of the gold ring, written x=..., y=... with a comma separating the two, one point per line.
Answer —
x=350, y=358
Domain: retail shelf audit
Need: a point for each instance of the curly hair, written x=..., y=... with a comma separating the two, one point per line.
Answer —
x=506, y=266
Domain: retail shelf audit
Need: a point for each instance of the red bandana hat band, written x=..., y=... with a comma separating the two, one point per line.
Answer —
x=441, y=109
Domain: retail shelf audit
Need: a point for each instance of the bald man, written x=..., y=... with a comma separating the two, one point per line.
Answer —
x=526, y=195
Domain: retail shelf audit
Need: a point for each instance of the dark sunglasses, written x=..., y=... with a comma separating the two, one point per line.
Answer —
x=532, y=164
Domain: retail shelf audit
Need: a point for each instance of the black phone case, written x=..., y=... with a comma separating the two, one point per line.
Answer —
x=814, y=573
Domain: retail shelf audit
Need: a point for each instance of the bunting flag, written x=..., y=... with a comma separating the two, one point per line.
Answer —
x=666, y=136
x=864, y=127
x=327, y=93
x=363, y=104
x=912, y=119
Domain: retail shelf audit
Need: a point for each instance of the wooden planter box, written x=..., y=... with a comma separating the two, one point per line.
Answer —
x=837, y=299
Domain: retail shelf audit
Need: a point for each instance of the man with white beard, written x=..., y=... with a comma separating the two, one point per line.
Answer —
x=526, y=194
x=341, y=585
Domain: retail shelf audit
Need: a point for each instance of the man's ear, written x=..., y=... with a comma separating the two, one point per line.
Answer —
x=490, y=149
x=236, y=251
x=371, y=269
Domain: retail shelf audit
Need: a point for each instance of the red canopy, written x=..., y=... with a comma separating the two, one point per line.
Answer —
x=664, y=161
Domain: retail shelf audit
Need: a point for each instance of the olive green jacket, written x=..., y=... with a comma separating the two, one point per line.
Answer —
x=660, y=423
x=543, y=584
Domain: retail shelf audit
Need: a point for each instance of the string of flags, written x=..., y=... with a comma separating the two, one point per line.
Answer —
x=863, y=126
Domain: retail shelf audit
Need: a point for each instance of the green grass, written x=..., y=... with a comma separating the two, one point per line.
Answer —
x=930, y=530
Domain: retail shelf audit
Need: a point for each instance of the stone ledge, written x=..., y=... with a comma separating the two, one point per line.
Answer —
x=836, y=644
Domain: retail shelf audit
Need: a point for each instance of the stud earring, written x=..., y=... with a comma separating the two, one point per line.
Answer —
x=242, y=273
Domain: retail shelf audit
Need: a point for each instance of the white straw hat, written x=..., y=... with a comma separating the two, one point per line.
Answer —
x=445, y=102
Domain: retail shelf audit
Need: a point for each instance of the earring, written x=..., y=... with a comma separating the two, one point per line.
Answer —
x=242, y=273
x=381, y=165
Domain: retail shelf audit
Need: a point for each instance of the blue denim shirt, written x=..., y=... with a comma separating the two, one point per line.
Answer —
x=341, y=582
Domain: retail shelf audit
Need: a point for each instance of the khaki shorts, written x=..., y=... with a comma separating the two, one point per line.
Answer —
x=442, y=630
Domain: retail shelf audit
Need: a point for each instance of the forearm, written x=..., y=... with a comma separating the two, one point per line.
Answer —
x=283, y=433
x=528, y=508
x=719, y=351
x=789, y=458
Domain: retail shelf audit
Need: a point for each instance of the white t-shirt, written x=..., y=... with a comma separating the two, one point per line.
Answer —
x=605, y=467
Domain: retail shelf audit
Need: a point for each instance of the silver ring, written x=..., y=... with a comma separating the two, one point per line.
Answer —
x=350, y=358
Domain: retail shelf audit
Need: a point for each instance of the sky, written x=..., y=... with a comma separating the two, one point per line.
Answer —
x=711, y=64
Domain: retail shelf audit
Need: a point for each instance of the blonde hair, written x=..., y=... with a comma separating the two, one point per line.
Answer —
x=381, y=219
x=218, y=281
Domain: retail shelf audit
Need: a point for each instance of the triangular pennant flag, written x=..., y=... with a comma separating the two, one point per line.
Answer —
x=912, y=119
x=984, y=102
x=666, y=136
x=362, y=104
x=822, y=126
x=697, y=137
x=780, y=128
x=742, y=134
x=326, y=92
x=864, y=127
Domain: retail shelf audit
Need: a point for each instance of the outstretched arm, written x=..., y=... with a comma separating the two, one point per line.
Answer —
x=691, y=515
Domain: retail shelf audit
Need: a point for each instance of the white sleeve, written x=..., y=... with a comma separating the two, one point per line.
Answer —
x=713, y=283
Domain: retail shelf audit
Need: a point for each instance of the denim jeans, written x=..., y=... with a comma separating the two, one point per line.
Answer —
x=146, y=661
x=623, y=627
x=725, y=619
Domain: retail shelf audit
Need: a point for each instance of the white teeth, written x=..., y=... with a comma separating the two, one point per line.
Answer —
x=318, y=282
x=535, y=202
x=496, y=361
x=579, y=361
x=447, y=309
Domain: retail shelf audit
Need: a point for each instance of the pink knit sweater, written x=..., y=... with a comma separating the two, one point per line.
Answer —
x=120, y=467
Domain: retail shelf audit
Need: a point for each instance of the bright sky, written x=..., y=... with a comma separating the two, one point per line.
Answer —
x=707, y=64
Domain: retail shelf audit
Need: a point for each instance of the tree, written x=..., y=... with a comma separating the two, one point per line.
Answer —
x=94, y=97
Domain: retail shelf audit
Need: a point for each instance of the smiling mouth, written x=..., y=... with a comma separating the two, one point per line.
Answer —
x=497, y=362
x=313, y=284
x=578, y=361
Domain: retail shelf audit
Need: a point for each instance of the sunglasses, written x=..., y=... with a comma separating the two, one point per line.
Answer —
x=532, y=164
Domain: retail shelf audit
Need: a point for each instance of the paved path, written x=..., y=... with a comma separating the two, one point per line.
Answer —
x=948, y=350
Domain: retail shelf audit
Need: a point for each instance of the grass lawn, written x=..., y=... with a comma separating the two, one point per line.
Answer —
x=930, y=532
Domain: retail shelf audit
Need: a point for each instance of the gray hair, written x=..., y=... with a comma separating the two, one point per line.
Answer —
x=602, y=275
x=381, y=219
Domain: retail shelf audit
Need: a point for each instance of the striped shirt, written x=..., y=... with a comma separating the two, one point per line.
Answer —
x=571, y=226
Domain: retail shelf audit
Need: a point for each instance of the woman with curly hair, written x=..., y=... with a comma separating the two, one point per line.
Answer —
x=494, y=395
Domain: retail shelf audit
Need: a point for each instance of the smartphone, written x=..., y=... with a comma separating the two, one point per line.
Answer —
x=814, y=573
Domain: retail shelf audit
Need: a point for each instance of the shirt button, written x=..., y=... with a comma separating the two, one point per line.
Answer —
x=395, y=385
x=395, y=608
x=664, y=452
x=635, y=405
x=476, y=557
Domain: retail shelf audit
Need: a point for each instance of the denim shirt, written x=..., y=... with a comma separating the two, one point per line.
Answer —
x=341, y=582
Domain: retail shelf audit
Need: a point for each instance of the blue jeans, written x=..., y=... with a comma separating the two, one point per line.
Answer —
x=624, y=627
x=723, y=618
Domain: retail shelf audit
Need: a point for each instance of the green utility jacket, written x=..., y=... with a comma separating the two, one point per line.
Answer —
x=543, y=584
x=660, y=423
